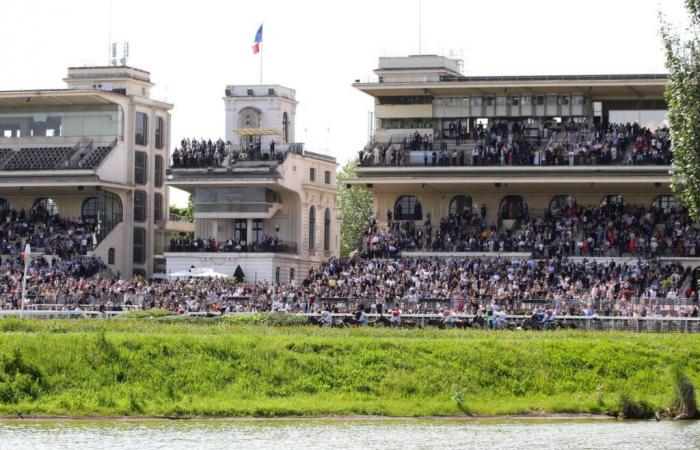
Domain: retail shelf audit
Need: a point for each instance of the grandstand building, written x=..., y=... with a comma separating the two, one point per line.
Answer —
x=508, y=146
x=262, y=203
x=94, y=151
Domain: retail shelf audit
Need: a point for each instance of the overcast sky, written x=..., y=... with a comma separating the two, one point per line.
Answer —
x=194, y=48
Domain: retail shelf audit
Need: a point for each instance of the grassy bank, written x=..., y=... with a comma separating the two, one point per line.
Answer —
x=223, y=368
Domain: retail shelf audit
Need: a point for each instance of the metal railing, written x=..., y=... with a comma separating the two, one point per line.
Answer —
x=253, y=247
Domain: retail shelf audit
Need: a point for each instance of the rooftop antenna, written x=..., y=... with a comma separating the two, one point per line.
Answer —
x=113, y=55
x=420, y=27
x=109, y=35
x=125, y=53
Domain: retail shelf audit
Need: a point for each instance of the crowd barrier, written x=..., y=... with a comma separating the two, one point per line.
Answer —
x=653, y=324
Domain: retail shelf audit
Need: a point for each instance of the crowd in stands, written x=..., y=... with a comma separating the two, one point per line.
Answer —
x=200, y=153
x=614, y=229
x=508, y=144
x=192, y=244
x=464, y=284
x=50, y=234
x=194, y=153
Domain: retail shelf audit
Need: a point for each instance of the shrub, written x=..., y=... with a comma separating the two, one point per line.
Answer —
x=458, y=397
x=19, y=379
x=684, y=405
x=633, y=409
x=269, y=319
x=146, y=314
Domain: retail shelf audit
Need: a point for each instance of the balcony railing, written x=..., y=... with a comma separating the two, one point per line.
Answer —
x=203, y=246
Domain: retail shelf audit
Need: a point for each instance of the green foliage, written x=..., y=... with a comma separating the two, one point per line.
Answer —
x=355, y=207
x=633, y=409
x=458, y=395
x=232, y=366
x=268, y=319
x=238, y=275
x=683, y=99
x=19, y=380
x=186, y=212
x=145, y=314
x=684, y=403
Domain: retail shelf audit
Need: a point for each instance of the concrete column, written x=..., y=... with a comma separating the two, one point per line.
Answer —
x=249, y=227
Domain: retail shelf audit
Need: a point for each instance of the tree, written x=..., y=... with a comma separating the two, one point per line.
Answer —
x=187, y=212
x=355, y=207
x=683, y=99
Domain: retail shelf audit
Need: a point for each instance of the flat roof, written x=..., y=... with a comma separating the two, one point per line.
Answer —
x=644, y=76
x=65, y=97
x=599, y=86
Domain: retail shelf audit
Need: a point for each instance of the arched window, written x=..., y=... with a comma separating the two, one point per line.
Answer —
x=312, y=228
x=407, y=207
x=460, y=205
x=111, y=255
x=511, y=207
x=45, y=207
x=561, y=203
x=285, y=128
x=666, y=203
x=5, y=206
x=89, y=209
x=613, y=199
x=249, y=118
x=327, y=230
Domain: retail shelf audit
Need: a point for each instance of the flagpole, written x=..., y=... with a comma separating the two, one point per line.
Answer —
x=261, y=53
x=27, y=254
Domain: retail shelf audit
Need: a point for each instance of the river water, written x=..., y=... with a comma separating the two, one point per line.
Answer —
x=349, y=434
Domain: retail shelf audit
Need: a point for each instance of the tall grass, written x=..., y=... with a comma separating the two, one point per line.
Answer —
x=219, y=367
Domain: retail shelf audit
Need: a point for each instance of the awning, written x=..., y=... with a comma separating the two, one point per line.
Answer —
x=258, y=132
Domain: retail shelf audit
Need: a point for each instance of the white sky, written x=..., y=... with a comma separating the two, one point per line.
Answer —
x=193, y=49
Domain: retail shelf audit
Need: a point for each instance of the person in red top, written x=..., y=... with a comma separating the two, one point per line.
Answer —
x=632, y=246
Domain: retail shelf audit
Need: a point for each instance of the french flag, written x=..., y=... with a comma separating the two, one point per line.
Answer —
x=258, y=41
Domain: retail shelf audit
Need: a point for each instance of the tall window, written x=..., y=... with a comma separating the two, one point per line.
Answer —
x=111, y=255
x=141, y=129
x=139, y=245
x=327, y=230
x=4, y=205
x=140, y=199
x=460, y=204
x=158, y=172
x=140, y=167
x=89, y=209
x=160, y=123
x=312, y=228
x=257, y=230
x=44, y=206
x=561, y=203
x=610, y=200
x=666, y=203
x=285, y=127
x=240, y=230
x=407, y=207
x=157, y=207
x=312, y=174
x=511, y=207
x=327, y=177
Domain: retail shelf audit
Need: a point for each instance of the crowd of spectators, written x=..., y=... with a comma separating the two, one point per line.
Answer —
x=414, y=285
x=610, y=230
x=200, y=153
x=510, y=144
x=50, y=234
x=191, y=244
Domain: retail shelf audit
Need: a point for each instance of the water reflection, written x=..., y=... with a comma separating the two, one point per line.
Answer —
x=348, y=434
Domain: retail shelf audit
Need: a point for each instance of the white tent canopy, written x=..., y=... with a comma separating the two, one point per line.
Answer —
x=197, y=273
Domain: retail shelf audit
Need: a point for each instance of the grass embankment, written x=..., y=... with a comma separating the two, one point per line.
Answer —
x=222, y=368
